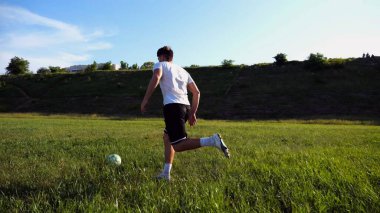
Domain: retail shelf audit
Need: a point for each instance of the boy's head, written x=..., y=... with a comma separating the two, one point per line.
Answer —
x=166, y=52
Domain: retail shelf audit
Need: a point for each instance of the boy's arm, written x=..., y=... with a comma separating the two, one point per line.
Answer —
x=195, y=102
x=154, y=81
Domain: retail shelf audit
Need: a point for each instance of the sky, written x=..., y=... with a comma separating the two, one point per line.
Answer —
x=201, y=32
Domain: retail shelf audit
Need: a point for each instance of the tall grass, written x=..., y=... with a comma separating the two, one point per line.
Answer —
x=57, y=163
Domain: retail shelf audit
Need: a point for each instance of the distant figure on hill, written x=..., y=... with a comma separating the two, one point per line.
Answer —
x=174, y=82
x=367, y=55
x=363, y=55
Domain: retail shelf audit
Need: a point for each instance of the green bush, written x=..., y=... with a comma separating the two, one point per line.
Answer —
x=316, y=61
x=262, y=65
x=3, y=84
x=280, y=59
x=57, y=69
x=92, y=67
x=336, y=63
x=123, y=65
x=227, y=63
x=135, y=67
x=147, y=65
x=43, y=70
x=108, y=66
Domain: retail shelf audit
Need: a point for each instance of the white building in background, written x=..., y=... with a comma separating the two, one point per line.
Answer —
x=76, y=68
x=80, y=68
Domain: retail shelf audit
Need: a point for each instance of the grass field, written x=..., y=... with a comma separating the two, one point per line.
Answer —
x=56, y=163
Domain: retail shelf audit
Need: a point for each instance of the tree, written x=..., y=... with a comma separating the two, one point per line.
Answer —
x=280, y=59
x=227, y=63
x=135, y=67
x=194, y=66
x=147, y=65
x=123, y=65
x=43, y=70
x=17, y=66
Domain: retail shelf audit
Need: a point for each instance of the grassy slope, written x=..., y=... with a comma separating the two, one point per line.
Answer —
x=294, y=92
x=227, y=93
x=57, y=162
x=99, y=92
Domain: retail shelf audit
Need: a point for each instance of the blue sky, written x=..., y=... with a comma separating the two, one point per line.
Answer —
x=64, y=33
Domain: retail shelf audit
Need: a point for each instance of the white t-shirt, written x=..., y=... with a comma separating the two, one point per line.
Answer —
x=173, y=83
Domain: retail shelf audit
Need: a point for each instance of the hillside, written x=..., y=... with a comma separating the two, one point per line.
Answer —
x=252, y=92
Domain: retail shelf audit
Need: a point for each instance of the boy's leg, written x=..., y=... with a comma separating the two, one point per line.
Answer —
x=169, y=150
x=187, y=144
x=215, y=141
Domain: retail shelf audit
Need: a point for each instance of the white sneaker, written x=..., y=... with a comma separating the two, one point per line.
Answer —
x=163, y=176
x=219, y=143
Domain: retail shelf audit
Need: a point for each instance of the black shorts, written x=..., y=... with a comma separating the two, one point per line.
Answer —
x=176, y=116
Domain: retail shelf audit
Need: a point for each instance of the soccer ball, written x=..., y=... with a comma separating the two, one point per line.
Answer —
x=114, y=159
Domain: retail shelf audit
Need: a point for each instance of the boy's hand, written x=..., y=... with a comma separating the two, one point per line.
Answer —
x=192, y=119
x=143, y=106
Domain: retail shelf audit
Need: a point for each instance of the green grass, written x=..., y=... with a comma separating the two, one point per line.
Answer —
x=57, y=163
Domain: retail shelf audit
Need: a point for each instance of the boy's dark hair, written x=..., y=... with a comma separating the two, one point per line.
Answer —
x=167, y=52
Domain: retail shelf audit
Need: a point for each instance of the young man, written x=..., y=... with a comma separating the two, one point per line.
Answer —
x=174, y=82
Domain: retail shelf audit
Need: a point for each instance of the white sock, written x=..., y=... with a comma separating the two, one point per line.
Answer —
x=209, y=141
x=167, y=168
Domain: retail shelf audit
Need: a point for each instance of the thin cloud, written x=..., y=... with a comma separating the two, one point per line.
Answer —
x=32, y=40
x=61, y=59
x=101, y=34
x=99, y=46
x=23, y=16
x=72, y=57
x=44, y=41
